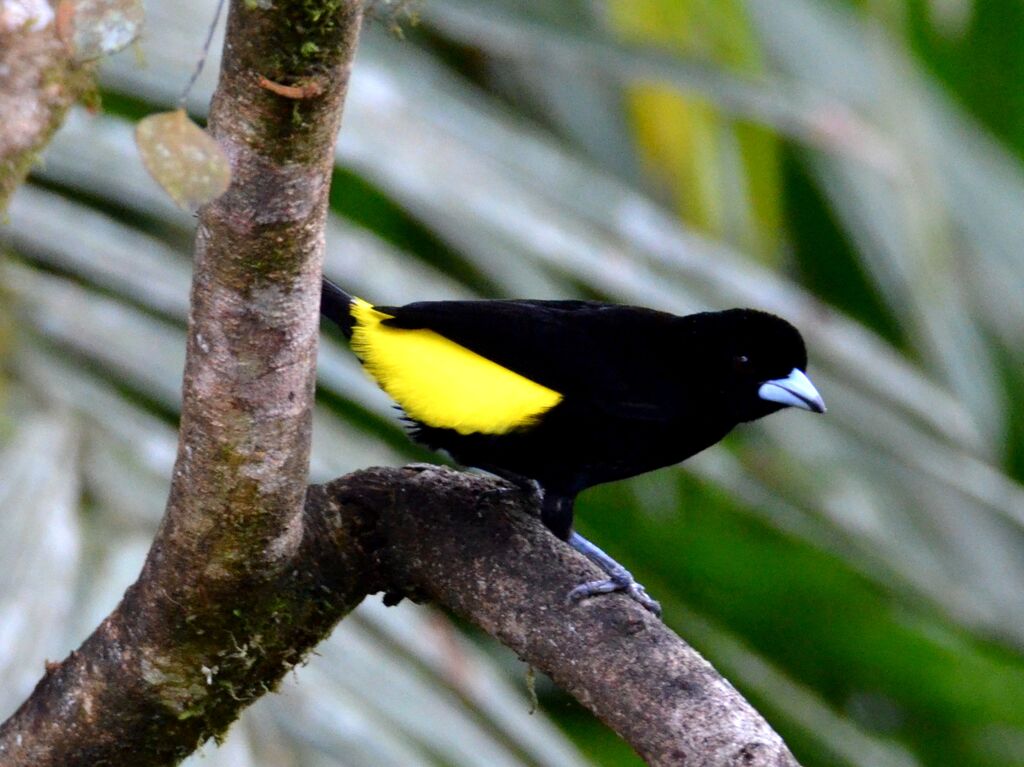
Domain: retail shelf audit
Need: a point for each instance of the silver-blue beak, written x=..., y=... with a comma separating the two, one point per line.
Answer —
x=795, y=390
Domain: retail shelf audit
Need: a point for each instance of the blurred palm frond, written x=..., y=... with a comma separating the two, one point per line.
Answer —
x=858, y=575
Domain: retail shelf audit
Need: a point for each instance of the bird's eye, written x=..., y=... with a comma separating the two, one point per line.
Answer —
x=740, y=362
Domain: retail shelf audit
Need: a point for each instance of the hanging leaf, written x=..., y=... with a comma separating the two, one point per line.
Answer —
x=183, y=159
x=94, y=28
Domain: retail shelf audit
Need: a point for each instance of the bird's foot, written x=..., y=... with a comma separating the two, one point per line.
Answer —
x=624, y=582
x=619, y=578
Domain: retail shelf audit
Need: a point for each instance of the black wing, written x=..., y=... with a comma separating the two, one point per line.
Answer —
x=621, y=359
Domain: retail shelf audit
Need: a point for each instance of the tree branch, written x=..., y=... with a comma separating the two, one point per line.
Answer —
x=501, y=569
x=422, y=534
x=230, y=594
x=249, y=570
x=38, y=83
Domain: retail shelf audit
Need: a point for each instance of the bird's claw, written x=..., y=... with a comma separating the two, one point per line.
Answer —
x=621, y=580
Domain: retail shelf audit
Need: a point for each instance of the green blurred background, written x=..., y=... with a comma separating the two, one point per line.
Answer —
x=854, y=167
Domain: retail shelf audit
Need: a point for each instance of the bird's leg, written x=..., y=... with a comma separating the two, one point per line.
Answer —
x=556, y=510
x=619, y=578
x=556, y=513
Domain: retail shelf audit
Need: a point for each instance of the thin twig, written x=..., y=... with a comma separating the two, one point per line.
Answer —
x=183, y=99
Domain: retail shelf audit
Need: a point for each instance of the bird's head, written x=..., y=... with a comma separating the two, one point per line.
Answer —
x=756, y=363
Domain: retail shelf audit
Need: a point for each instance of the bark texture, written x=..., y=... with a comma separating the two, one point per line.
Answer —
x=425, y=534
x=501, y=569
x=38, y=83
x=249, y=568
x=233, y=589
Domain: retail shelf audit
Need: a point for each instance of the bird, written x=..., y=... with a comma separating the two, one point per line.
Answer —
x=556, y=396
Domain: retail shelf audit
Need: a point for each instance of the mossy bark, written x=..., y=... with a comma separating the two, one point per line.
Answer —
x=249, y=569
x=424, y=534
x=233, y=591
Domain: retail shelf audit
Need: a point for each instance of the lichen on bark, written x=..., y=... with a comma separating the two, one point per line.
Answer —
x=39, y=83
x=234, y=550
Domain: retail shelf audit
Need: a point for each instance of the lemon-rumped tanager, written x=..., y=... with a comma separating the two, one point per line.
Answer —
x=558, y=396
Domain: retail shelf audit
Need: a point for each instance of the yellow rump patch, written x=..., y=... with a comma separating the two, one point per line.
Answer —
x=442, y=384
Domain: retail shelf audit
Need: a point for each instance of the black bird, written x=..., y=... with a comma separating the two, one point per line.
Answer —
x=559, y=396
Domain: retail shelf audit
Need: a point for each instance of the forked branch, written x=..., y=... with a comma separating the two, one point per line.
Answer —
x=250, y=570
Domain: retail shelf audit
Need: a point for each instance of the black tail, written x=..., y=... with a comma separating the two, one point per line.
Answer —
x=334, y=305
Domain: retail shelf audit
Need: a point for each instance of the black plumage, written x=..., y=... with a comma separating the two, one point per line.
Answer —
x=639, y=389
